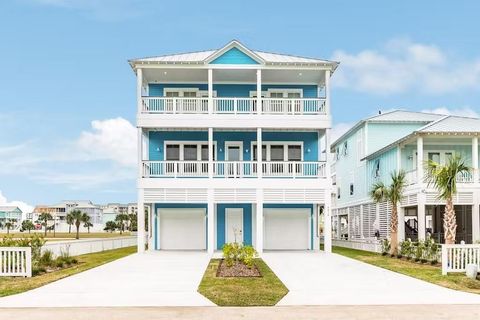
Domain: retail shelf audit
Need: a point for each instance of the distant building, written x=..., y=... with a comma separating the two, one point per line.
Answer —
x=10, y=213
x=59, y=211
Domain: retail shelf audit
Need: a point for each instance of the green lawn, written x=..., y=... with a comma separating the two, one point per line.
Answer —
x=13, y=285
x=66, y=235
x=255, y=291
x=426, y=272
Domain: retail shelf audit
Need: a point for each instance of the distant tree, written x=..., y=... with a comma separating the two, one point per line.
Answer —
x=110, y=226
x=78, y=218
x=121, y=220
x=70, y=221
x=87, y=223
x=44, y=218
x=10, y=224
x=28, y=225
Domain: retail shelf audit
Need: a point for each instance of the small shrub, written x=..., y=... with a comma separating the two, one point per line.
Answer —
x=248, y=256
x=406, y=248
x=46, y=259
x=386, y=245
x=236, y=252
x=59, y=263
x=419, y=250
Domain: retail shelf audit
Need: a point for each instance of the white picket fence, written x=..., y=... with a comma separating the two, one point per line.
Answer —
x=78, y=247
x=15, y=262
x=456, y=257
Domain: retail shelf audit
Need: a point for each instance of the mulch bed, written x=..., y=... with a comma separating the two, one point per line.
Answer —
x=237, y=270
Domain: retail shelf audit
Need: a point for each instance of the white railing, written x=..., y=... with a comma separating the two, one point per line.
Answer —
x=15, y=261
x=456, y=257
x=174, y=169
x=411, y=176
x=233, y=105
x=465, y=177
x=234, y=169
x=174, y=105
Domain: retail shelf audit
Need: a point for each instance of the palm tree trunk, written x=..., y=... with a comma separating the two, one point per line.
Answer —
x=45, y=229
x=78, y=232
x=449, y=222
x=69, y=228
x=394, y=230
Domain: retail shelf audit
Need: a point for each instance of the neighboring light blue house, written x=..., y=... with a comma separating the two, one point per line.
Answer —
x=401, y=140
x=201, y=176
x=10, y=213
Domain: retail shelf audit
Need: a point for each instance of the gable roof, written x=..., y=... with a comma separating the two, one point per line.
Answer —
x=394, y=116
x=205, y=57
x=443, y=125
x=9, y=208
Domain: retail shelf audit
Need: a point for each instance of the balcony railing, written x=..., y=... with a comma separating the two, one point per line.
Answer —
x=462, y=177
x=234, y=169
x=280, y=106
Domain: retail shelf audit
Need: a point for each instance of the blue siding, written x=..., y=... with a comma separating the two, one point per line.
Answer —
x=234, y=56
x=157, y=138
x=231, y=90
x=247, y=223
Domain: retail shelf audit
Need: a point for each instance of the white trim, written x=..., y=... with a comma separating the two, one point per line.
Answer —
x=181, y=92
x=234, y=44
x=442, y=154
x=182, y=143
x=285, y=144
x=233, y=144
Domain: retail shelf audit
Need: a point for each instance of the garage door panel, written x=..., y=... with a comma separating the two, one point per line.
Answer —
x=287, y=229
x=182, y=229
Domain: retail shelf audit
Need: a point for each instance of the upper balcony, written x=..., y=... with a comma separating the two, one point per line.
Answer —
x=233, y=87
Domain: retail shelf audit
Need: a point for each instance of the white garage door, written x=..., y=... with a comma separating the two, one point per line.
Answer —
x=287, y=229
x=182, y=229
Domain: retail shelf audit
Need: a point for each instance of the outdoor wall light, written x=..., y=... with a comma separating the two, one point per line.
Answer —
x=246, y=150
x=158, y=149
x=308, y=150
x=221, y=150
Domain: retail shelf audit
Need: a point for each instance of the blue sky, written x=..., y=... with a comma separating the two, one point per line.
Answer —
x=67, y=94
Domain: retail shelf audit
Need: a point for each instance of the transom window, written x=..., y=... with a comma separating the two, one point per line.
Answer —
x=280, y=152
x=187, y=152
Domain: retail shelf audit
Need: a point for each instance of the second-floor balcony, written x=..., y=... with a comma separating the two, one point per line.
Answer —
x=234, y=169
x=411, y=177
x=233, y=105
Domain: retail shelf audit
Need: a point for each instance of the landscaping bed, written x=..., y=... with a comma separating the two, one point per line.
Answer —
x=238, y=269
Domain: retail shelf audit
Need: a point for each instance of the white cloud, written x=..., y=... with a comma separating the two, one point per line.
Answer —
x=401, y=66
x=26, y=208
x=464, y=112
x=112, y=139
x=339, y=129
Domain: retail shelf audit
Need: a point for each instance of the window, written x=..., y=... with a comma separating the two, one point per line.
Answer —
x=173, y=152
x=337, y=153
x=190, y=152
x=264, y=153
x=276, y=94
x=294, y=95
x=172, y=94
x=338, y=193
x=434, y=156
x=376, y=168
x=294, y=153
x=351, y=189
x=189, y=94
x=345, y=148
x=276, y=153
x=441, y=157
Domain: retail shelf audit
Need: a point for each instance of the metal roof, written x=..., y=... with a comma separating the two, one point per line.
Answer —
x=201, y=57
x=8, y=208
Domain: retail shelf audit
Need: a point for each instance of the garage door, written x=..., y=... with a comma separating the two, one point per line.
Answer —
x=286, y=229
x=182, y=229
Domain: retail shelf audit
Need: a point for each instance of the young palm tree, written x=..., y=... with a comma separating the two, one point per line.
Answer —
x=443, y=178
x=9, y=225
x=88, y=223
x=44, y=218
x=78, y=218
x=70, y=221
x=121, y=219
x=393, y=194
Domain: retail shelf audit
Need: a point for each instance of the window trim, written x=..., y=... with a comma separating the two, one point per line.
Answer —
x=285, y=92
x=285, y=144
x=181, y=143
x=181, y=91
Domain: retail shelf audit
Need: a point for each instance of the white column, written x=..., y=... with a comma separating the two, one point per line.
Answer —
x=401, y=224
x=419, y=159
x=259, y=153
x=259, y=91
x=421, y=216
x=210, y=152
x=327, y=227
x=327, y=91
x=140, y=222
x=151, y=227
x=139, y=89
x=210, y=91
x=475, y=159
x=476, y=217
x=316, y=236
x=211, y=222
x=259, y=222
x=339, y=226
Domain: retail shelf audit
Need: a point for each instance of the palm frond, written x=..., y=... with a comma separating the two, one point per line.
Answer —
x=444, y=177
x=378, y=192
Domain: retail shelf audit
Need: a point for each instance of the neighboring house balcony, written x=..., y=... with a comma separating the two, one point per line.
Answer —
x=463, y=177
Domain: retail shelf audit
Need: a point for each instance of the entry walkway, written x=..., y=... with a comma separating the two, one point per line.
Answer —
x=316, y=278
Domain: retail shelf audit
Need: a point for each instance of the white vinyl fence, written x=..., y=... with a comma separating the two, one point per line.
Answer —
x=365, y=245
x=78, y=247
x=456, y=257
x=15, y=262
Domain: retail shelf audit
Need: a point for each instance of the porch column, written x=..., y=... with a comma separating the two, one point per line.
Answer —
x=259, y=91
x=327, y=227
x=140, y=222
x=259, y=153
x=476, y=217
x=401, y=224
x=475, y=159
x=316, y=237
x=419, y=159
x=210, y=222
x=421, y=216
x=210, y=91
x=210, y=152
x=139, y=89
x=259, y=222
x=151, y=226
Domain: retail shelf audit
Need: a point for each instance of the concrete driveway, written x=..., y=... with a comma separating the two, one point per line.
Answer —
x=150, y=279
x=320, y=279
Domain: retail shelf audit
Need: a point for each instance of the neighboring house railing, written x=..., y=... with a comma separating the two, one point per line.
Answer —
x=234, y=169
x=462, y=177
x=456, y=257
x=15, y=261
x=233, y=105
